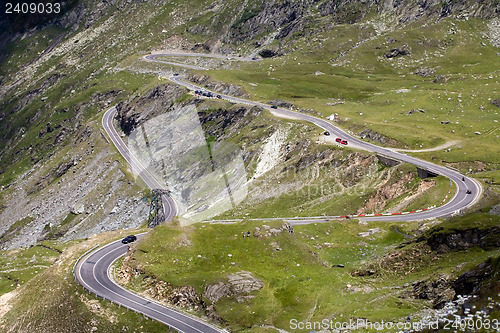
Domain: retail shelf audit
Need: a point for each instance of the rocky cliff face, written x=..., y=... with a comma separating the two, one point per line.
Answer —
x=480, y=281
x=445, y=241
x=155, y=102
x=83, y=191
x=282, y=19
x=420, y=252
x=240, y=285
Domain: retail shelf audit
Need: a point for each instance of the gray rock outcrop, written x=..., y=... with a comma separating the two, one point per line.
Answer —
x=238, y=284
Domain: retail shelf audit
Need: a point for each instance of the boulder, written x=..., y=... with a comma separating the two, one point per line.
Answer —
x=244, y=282
x=238, y=284
x=214, y=292
x=473, y=281
x=185, y=297
x=267, y=53
x=397, y=52
x=439, y=291
x=78, y=209
x=275, y=232
x=424, y=71
x=369, y=232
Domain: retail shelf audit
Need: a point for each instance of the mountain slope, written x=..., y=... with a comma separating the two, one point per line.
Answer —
x=404, y=74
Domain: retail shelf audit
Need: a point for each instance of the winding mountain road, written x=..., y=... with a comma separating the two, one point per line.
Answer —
x=93, y=271
x=169, y=206
x=460, y=201
x=94, y=274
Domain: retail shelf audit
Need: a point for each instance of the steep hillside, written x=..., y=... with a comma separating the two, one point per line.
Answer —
x=336, y=271
x=52, y=302
x=420, y=76
x=222, y=160
x=71, y=61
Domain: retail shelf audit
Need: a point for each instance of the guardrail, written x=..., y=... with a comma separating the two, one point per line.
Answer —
x=347, y=216
x=125, y=306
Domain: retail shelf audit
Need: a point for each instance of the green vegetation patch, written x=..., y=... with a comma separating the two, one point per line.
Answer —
x=247, y=14
x=19, y=266
x=52, y=301
x=439, y=92
x=296, y=269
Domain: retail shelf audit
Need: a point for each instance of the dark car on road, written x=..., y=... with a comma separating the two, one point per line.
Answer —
x=176, y=74
x=219, y=96
x=274, y=107
x=327, y=133
x=129, y=239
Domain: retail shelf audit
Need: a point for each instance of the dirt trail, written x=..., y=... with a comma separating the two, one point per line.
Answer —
x=440, y=147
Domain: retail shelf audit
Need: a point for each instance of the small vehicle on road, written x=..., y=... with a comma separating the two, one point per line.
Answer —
x=468, y=192
x=206, y=93
x=274, y=107
x=326, y=133
x=219, y=96
x=339, y=140
x=129, y=239
x=176, y=74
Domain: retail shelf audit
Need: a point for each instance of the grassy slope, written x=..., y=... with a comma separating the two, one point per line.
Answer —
x=295, y=279
x=362, y=89
x=53, y=302
x=321, y=188
x=371, y=85
x=19, y=266
x=298, y=280
x=88, y=69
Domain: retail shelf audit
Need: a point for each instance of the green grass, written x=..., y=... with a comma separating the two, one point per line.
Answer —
x=247, y=14
x=66, y=107
x=19, y=266
x=476, y=220
x=93, y=75
x=371, y=87
x=295, y=278
x=15, y=228
x=53, y=293
x=27, y=50
x=299, y=282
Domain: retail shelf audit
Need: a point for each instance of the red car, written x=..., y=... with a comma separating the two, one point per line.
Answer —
x=339, y=140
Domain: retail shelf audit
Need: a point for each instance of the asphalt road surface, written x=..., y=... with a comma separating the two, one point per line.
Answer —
x=169, y=205
x=460, y=201
x=93, y=272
